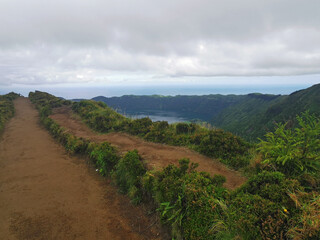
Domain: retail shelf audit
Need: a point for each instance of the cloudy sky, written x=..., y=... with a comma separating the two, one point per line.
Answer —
x=145, y=42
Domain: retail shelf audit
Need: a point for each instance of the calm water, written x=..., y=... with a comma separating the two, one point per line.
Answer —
x=170, y=117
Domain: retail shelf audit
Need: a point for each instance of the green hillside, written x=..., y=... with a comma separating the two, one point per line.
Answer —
x=249, y=116
x=192, y=107
x=252, y=118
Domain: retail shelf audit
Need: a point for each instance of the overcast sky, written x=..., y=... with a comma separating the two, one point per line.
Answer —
x=128, y=42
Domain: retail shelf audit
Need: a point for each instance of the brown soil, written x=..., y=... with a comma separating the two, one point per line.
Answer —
x=46, y=194
x=155, y=155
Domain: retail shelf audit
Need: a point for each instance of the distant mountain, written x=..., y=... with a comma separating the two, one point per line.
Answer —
x=249, y=116
x=191, y=107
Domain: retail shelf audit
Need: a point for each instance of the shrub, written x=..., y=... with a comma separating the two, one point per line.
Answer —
x=128, y=173
x=182, y=128
x=159, y=132
x=104, y=156
x=100, y=117
x=6, y=108
x=218, y=180
x=187, y=199
x=43, y=99
x=307, y=224
x=161, y=125
x=294, y=151
x=219, y=144
x=140, y=126
x=254, y=217
x=273, y=186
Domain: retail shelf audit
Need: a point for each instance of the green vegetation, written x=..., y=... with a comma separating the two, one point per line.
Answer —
x=249, y=116
x=254, y=118
x=45, y=102
x=229, y=149
x=295, y=152
x=195, y=107
x=243, y=118
x=279, y=200
x=104, y=156
x=99, y=116
x=6, y=108
x=128, y=173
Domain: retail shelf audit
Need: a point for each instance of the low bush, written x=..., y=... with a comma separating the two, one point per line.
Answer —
x=139, y=126
x=98, y=116
x=307, y=223
x=254, y=217
x=46, y=102
x=294, y=151
x=6, y=108
x=187, y=200
x=232, y=150
x=182, y=128
x=273, y=186
x=104, y=156
x=128, y=173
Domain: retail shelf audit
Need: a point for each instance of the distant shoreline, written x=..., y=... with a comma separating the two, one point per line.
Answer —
x=88, y=92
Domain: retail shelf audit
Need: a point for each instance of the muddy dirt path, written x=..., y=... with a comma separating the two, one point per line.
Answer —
x=45, y=194
x=155, y=155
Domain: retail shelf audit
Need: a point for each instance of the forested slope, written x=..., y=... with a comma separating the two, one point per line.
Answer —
x=250, y=116
x=196, y=107
x=252, y=119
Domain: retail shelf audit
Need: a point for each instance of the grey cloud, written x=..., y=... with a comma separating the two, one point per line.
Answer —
x=56, y=41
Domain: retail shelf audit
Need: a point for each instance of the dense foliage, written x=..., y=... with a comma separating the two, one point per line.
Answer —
x=45, y=101
x=294, y=151
x=252, y=118
x=249, y=116
x=235, y=113
x=99, y=116
x=274, y=203
x=6, y=108
x=216, y=143
x=128, y=173
x=194, y=107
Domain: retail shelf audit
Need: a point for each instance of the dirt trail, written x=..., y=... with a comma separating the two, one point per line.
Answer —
x=45, y=194
x=155, y=155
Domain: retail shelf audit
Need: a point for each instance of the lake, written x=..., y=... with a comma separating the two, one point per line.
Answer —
x=170, y=117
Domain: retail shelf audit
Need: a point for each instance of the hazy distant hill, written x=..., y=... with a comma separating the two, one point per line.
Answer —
x=250, y=115
x=192, y=107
